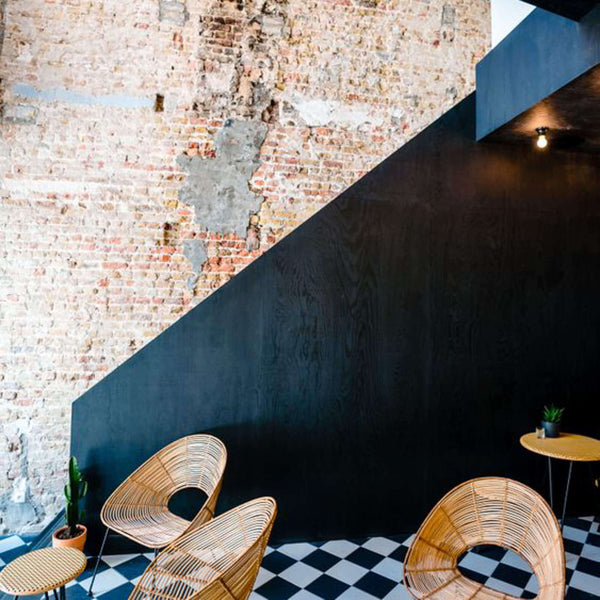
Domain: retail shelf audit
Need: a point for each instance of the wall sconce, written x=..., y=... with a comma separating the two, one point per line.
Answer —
x=542, y=140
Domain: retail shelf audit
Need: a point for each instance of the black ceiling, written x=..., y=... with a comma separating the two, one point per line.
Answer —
x=572, y=115
x=573, y=9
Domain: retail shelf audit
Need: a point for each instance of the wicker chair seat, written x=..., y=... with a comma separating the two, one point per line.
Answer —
x=217, y=561
x=488, y=510
x=139, y=507
x=150, y=526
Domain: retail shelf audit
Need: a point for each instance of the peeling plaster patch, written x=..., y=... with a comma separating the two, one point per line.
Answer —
x=18, y=513
x=172, y=11
x=317, y=113
x=60, y=94
x=22, y=114
x=367, y=3
x=448, y=15
x=218, y=188
x=448, y=22
x=195, y=251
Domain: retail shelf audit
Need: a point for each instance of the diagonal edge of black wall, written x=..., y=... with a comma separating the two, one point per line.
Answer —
x=397, y=343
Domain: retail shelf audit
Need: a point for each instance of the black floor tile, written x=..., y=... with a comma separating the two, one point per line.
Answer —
x=375, y=584
x=277, y=589
x=327, y=587
x=320, y=559
x=276, y=562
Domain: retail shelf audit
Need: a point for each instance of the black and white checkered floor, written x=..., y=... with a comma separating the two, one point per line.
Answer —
x=365, y=569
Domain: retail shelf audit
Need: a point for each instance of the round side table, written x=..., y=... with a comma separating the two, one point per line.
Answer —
x=43, y=570
x=568, y=446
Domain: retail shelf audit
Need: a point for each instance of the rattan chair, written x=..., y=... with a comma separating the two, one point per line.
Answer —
x=218, y=561
x=139, y=507
x=490, y=510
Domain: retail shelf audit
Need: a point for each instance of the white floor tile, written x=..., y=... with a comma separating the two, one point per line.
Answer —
x=585, y=583
x=577, y=535
x=381, y=545
x=347, y=572
x=390, y=568
x=480, y=564
x=532, y=585
x=304, y=595
x=502, y=586
x=356, y=594
x=10, y=543
x=571, y=560
x=399, y=593
x=263, y=576
x=105, y=581
x=591, y=552
x=514, y=560
x=341, y=548
x=297, y=550
x=300, y=574
x=113, y=560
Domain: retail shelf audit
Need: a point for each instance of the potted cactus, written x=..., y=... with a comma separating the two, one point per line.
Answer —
x=551, y=417
x=73, y=534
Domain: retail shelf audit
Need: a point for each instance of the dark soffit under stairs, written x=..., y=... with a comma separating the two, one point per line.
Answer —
x=572, y=9
x=543, y=74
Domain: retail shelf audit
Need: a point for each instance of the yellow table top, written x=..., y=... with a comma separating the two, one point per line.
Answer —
x=41, y=571
x=568, y=446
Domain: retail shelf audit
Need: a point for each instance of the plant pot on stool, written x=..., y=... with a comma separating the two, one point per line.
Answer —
x=551, y=418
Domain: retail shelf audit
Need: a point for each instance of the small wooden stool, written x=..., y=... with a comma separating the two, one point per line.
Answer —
x=43, y=570
x=567, y=446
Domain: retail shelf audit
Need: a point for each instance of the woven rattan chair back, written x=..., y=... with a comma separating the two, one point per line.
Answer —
x=217, y=561
x=138, y=508
x=489, y=510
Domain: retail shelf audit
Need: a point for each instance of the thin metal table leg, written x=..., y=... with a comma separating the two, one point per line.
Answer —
x=46, y=594
x=550, y=480
x=55, y=594
x=90, y=593
x=564, y=512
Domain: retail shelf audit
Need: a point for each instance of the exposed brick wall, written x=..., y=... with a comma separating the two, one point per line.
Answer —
x=150, y=150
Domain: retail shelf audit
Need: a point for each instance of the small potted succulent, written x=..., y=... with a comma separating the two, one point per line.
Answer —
x=73, y=534
x=551, y=417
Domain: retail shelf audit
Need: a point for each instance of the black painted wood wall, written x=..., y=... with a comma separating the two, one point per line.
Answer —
x=396, y=344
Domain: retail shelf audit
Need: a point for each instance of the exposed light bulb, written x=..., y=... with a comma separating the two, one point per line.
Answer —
x=542, y=140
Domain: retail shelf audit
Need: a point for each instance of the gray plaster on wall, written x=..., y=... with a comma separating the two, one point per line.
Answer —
x=22, y=114
x=194, y=250
x=60, y=94
x=218, y=188
x=173, y=11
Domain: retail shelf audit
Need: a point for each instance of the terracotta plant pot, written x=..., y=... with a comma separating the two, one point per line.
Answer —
x=76, y=542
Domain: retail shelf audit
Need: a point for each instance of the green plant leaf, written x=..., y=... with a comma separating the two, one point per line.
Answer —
x=552, y=413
